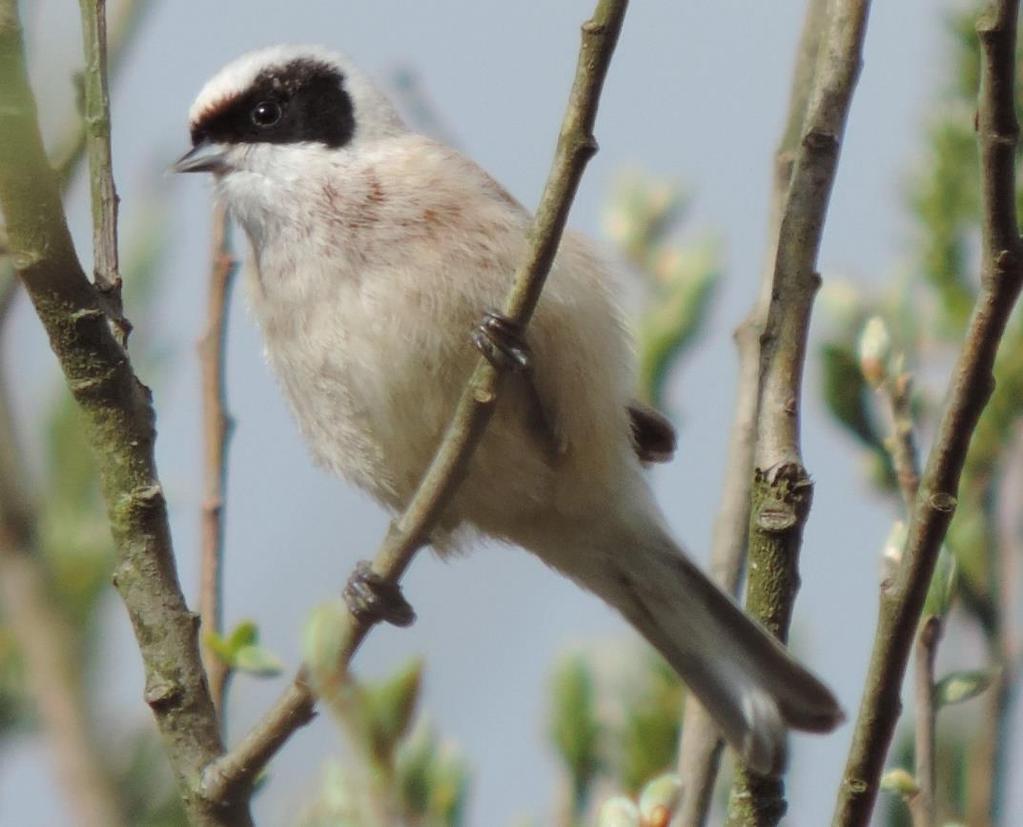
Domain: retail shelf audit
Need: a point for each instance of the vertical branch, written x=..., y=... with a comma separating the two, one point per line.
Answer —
x=217, y=426
x=106, y=270
x=118, y=414
x=233, y=773
x=782, y=489
x=701, y=745
x=970, y=387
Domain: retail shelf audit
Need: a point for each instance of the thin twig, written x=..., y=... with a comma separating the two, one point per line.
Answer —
x=118, y=414
x=70, y=150
x=922, y=806
x=901, y=444
x=701, y=745
x=217, y=427
x=971, y=385
x=410, y=532
x=782, y=489
x=106, y=269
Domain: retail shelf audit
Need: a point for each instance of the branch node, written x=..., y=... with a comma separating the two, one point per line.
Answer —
x=162, y=693
x=943, y=502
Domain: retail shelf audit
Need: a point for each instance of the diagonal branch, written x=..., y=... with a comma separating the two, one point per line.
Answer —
x=701, y=746
x=782, y=489
x=117, y=410
x=230, y=776
x=970, y=387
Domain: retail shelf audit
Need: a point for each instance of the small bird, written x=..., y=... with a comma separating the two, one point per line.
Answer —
x=378, y=255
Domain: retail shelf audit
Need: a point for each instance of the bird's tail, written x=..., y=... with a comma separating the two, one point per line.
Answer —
x=748, y=682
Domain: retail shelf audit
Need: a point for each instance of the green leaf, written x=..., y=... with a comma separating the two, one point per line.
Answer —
x=649, y=739
x=391, y=706
x=257, y=660
x=961, y=686
x=245, y=633
x=321, y=641
x=676, y=314
x=943, y=585
x=575, y=729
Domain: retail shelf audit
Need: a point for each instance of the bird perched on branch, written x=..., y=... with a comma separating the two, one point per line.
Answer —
x=378, y=255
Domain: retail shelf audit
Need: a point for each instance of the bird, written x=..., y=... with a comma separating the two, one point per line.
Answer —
x=378, y=256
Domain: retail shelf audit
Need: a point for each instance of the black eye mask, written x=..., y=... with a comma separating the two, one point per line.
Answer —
x=302, y=101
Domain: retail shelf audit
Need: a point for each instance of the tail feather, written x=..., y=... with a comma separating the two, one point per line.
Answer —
x=748, y=682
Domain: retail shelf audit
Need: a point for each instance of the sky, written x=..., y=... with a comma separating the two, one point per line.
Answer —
x=697, y=94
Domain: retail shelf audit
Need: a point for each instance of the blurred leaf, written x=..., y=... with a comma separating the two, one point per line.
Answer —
x=241, y=650
x=146, y=783
x=16, y=709
x=642, y=215
x=943, y=585
x=433, y=780
x=245, y=633
x=574, y=726
x=676, y=315
x=649, y=739
x=900, y=781
x=618, y=812
x=659, y=800
x=257, y=660
x=390, y=706
x=962, y=686
x=641, y=212
x=321, y=641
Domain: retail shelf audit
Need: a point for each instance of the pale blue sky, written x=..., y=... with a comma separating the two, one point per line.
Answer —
x=697, y=92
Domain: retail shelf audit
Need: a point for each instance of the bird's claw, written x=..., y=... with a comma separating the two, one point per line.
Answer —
x=371, y=598
x=501, y=342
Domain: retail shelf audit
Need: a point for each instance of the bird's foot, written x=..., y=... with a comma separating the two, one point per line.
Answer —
x=371, y=598
x=501, y=342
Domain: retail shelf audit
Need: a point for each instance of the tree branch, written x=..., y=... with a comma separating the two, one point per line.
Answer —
x=117, y=411
x=923, y=805
x=701, y=745
x=234, y=772
x=970, y=387
x=106, y=269
x=782, y=489
x=217, y=426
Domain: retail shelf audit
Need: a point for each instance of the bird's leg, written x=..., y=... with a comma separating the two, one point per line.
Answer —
x=371, y=598
x=501, y=342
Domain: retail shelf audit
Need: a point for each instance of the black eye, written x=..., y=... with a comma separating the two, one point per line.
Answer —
x=266, y=113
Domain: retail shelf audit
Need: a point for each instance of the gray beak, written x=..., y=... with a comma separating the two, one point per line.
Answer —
x=203, y=157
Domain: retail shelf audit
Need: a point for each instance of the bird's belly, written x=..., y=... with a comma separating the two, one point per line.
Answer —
x=371, y=404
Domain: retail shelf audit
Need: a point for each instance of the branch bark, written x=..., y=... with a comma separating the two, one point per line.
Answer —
x=233, y=773
x=782, y=490
x=701, y=745
x=217, y=426
x=106, y=269
x=970, y=387
x=118, y=413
